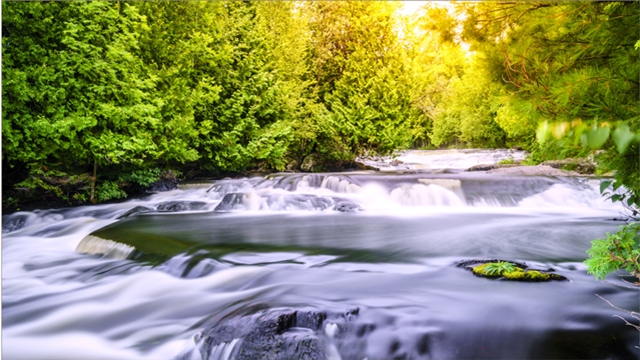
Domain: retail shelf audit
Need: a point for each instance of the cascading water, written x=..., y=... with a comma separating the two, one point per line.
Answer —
x=342, y=265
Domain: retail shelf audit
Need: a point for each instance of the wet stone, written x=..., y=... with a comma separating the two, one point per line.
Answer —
x=523, y=272
x=344, y=206
x=174, y=206
x=135, y=210
x=312, y=335
x=266, y=335
x=232, y=201
x=12, y=223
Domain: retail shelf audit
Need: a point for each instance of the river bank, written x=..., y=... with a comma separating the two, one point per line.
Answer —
x=498, y=161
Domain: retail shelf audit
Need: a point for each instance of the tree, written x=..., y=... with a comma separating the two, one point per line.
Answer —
x=361, y=76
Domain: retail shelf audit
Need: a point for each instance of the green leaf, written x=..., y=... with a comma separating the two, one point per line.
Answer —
x=598, y=136
x=543, y=132
x=604, y=185
x=622, y=137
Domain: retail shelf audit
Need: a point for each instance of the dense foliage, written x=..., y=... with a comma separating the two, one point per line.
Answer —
x=620, y=251
x=132, y=88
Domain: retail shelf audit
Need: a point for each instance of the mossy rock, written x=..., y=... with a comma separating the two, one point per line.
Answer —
x=519, y=271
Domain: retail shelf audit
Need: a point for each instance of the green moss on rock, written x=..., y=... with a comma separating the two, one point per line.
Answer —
x=481, y=270
x=527, y=275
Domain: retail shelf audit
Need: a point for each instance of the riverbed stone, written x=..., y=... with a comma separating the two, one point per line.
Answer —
x=522, y=272
x=14, y=222
x=580, y=165
x=309, y=163
x=135, y=210
x=537, y=170
x=293, y=334
x=176, y=206
x=268, y=335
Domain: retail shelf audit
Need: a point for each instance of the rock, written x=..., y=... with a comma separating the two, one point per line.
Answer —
x=232, y=201
x=521, y=273
x=345, y=206
x=292, y=165
x=537, y=170
x=313, y=335
x=519, y=148
x=582, y=166
x=309, y=163
x=284, y=202
x=166, y=182
x=484, y=167
x=274, y=335
x=13, y=222
x=175, y=206
x=168, y=206
x=135, y=210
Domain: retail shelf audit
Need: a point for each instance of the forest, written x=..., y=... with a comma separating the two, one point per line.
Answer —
x=103, y=98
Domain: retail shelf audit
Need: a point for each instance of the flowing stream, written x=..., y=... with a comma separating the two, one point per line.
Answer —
x=147, y=278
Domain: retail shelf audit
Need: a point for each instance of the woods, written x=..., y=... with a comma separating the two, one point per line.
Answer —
x=136, y=89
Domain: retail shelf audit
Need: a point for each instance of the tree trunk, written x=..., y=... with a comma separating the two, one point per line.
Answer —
x=93, y=181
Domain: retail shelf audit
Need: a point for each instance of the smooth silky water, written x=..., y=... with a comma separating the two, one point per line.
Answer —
x=103, y=282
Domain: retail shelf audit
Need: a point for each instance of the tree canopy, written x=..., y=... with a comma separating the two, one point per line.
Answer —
x=140, y=87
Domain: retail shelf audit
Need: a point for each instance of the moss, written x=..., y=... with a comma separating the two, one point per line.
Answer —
x=481, y=270
x=517, y=274
x=527, y=275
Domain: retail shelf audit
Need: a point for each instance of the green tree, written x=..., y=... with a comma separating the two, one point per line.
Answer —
x=361, y=74
x=573, y=68
x=75, y=91
x=244, y=85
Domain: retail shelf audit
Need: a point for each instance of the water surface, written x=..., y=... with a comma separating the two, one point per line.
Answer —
x=102, y=282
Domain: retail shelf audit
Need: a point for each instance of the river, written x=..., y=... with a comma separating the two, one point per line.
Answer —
x=375, y=253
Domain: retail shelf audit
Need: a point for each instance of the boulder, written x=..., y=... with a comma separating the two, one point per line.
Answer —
x=313, y=335
x=309, y=163
x=271, y=335
x=292, y=165
x=167, y=181
x=522, y=271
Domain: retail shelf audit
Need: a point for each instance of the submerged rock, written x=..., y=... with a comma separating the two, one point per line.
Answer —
x=13, y=222
x=174, y=206
x=284, y=202
x=168, y=206
x=135, y=210
x=311, y=335
x=345, y=206
x=518, y=272
x=267, y=335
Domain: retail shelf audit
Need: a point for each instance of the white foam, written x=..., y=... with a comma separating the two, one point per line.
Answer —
x=425, y=195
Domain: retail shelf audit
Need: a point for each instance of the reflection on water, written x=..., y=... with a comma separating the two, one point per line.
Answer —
x=151, y=278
